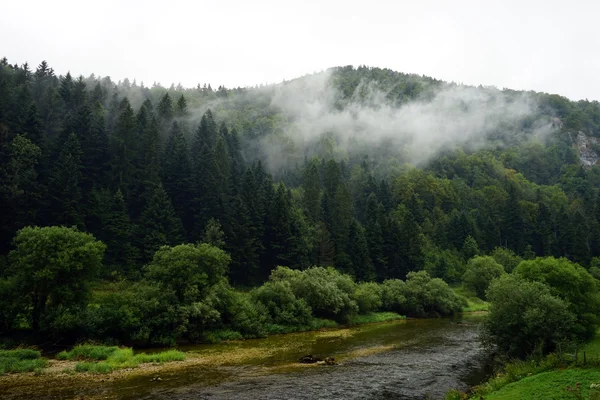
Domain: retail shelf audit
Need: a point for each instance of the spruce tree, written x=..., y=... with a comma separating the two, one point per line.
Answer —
x=375, y=217
x=165, y=110
x=121, y=256
x=358, y=252
x=207, y=196
x=213, y=234
x=123, y=146
x=177, y=171
x=312, y=191
x=64, y=189
x=158, y=225
x=19, y=189
x=181, y=107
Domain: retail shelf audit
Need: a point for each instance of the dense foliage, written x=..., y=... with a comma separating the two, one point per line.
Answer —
x=185, y=210
x=525, y=316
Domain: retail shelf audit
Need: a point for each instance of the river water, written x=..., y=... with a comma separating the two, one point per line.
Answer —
x=412, y=359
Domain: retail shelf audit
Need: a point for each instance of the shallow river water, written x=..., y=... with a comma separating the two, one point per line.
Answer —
x=413, y=359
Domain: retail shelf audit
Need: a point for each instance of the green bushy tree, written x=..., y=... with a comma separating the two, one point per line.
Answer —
x=570, y=282
x=189, y=270
x=524, y=315
x=328, y=292
x=368, y=297
x=480, y=272
x=52, y=268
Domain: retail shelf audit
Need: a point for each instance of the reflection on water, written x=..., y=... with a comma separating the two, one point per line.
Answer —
x=413, y=359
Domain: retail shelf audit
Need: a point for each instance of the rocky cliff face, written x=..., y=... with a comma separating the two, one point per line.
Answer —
x=588, y=148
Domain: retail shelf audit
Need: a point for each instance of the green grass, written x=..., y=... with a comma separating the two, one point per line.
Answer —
x=87, y=352
x=116, y=358
x=546, y=380
x=374, y=317
x=21, y=360
x=591, y=349
x=21, y=354
x=549, y=385
x=101, y=367
x=472, y=302
x=162, y=357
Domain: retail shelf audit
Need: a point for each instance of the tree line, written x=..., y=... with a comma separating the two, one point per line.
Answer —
x=139, y=169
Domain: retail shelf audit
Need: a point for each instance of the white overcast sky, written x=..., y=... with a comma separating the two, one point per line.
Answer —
x=551, y=46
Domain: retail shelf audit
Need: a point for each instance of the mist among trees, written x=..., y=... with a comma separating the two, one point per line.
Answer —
x=148, y=214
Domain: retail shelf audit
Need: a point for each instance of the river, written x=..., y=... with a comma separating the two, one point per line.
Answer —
x=412, y=359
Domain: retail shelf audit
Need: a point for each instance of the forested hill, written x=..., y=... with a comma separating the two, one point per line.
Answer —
x=374, y=172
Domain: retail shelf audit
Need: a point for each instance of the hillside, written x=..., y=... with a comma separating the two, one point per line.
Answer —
x=371, y=171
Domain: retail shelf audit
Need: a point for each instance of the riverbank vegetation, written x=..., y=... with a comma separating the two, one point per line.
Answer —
x=184, y=295
x=561, y=375
x=21, y=360
x=541, y=324
x=105, y=359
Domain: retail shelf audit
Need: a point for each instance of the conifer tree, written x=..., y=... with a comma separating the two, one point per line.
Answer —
x=181, y=107
x=19, y=191
x=374, y=234
x=159, y=225
x=213, y=234
x=207, y=198
x=358, y=252
x=64, y=189
x=121, y=256
x=66, y=92
x=176, y=173
x=165, y=110
x=312, y=191
x=123, y=145
x=33, y=127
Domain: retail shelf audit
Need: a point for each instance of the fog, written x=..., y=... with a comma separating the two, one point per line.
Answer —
x=452, y=116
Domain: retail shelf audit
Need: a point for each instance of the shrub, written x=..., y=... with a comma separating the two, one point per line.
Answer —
x=570, y=282
x=426, y=296
x=142, y=313
x=188, y=270
x=283, y=306
x=247, y=317
x=51, y=268
x=507, y=258
x=524, y=315
x=368, y=297
x=393, y=295
x=328, y=292
x=480, y=272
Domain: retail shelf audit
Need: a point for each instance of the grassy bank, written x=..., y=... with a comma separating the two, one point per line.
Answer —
x=551, y=385
x=472, y=303
x=548, y=379
x=21, y=360
x=100, y=359
x=105, y=359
